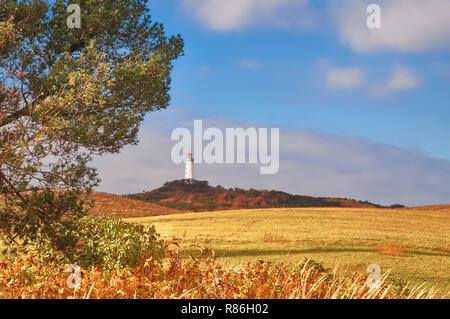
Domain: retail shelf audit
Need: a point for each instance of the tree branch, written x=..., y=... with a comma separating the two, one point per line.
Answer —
x=11, y=187
x=14, y=116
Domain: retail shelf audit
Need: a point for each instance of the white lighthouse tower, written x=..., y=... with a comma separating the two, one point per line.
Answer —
x=189, y=168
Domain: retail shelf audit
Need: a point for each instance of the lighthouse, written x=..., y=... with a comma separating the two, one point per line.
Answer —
x=189, y=168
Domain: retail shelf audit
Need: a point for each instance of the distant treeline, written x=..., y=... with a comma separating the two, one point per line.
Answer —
x=200, y=196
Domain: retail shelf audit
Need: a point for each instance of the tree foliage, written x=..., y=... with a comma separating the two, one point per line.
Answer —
x=67, y=95
x=105, y=242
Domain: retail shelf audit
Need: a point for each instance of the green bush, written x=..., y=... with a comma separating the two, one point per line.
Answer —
x=107, y=243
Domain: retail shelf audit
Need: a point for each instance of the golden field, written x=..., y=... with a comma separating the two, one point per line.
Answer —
x=411, y=243
x=265, y=253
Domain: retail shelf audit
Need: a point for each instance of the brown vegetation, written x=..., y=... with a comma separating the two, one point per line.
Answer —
x=273, y=238
x=392, y=250
x=197, y=278
x=202, y=197
x=118, y=206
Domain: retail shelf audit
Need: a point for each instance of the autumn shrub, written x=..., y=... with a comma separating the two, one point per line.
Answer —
x=105, y=242
x=193, y=278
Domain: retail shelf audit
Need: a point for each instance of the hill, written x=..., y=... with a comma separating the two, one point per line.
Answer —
x=118, y=206
x=443, y=207
x=200, y=196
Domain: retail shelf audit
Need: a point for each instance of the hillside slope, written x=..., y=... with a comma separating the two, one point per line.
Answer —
x=202, y=197
x=118, y=206
x=443, y=207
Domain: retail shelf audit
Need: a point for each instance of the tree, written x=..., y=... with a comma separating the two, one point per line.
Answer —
x=67, y=95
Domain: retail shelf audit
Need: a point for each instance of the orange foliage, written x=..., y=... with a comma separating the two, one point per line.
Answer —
x=189, y=278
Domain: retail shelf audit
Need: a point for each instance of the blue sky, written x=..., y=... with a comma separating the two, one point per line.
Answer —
x=272, y=75
x=313, y=69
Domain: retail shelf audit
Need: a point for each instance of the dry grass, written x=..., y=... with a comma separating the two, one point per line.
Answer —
x=273, y=238
x=356, y=237
x=392, y=250
x=198, y=278
x=350, y=235
x=106, y=204
x=118, y=206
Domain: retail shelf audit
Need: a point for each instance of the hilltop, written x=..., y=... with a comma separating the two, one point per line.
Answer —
x=200, y=196
x=178, y=197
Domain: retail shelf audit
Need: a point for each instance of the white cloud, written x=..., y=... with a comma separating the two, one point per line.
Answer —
x=402, y=79
x=407, y=25
x=345, y=78
x=310, y=163
x=249, y=64
x=229, y=15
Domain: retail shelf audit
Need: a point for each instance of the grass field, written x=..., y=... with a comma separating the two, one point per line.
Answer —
x=412, y=243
